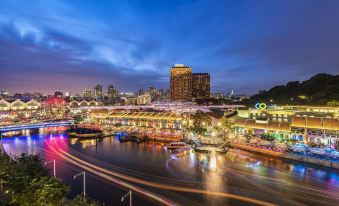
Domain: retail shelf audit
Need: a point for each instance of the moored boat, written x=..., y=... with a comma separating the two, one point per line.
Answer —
x=175, y=145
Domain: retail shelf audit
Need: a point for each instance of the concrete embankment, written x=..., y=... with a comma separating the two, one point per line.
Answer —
x=289, y=156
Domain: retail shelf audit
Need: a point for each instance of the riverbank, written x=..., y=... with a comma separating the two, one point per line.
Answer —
x=26, y=181
x=289, y=156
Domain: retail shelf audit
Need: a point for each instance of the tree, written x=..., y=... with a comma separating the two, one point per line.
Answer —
x=319, y=89
x=80, y=200
x=201, y=119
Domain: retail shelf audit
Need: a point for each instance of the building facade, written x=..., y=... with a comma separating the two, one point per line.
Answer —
x=201, y=86
x=98, y=91
x=312, y=125
x=181, y=83
x=112, y=93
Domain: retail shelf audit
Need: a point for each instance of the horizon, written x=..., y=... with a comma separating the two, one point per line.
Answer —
x=104, y=88
x=245, y=46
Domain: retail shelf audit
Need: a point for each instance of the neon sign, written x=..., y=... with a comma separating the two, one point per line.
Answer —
x=260, y=106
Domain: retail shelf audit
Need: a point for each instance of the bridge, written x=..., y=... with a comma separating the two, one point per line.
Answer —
x=35, y=126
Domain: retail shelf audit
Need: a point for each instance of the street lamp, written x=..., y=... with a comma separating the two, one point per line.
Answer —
x=130, y=197
x=84, y=180
x=54, y=171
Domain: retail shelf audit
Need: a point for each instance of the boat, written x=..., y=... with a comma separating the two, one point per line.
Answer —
x=175, y=145
x=207, y=149
x=182, y=151
x=84, y=133
x=12, y=134
x=127, y=138
x=299, y=148
x=317, y=151
x=132, y=138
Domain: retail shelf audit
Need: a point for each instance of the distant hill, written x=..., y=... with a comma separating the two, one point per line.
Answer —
x=320, y=89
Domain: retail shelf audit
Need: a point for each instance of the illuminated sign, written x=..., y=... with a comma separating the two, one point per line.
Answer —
x=260, y=106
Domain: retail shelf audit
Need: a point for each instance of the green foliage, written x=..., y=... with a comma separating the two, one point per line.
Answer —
x=80, y=200
x=333, y=103
x=117, y=124
x=25, y=182
x=78, y=118
x=198, y=130
x=318, y=90
x=201, y=119
x=42, y=191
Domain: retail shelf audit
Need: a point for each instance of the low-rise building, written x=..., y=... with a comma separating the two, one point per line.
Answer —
x=308, y=124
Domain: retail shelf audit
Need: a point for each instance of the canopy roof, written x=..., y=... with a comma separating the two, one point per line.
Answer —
x=303, y=122
x=144, y=115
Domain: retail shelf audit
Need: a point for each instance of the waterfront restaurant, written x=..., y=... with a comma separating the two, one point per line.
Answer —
x=161, y=120
x=19, y=105
x=13, y=111
x=83, y=103
x=321, y=131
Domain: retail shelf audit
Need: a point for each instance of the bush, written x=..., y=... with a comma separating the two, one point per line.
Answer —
x=25, y=182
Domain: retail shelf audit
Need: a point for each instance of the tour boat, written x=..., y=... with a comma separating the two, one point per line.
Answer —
x=182, y=151
x=12, y=134
x=175, y=145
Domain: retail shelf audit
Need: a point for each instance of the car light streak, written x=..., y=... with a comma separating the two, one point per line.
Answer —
x=90, y=166
x=112, y=179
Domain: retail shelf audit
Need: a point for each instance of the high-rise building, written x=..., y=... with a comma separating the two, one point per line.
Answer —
x=98, y=91
x=3, y=94
x=58, y=94
x=144, y=99
x=154, y=93
x=201, y=86
x=87, y=93
x=112, y=93
x=181, y=83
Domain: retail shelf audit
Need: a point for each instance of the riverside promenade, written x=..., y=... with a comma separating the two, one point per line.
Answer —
x=290, y=156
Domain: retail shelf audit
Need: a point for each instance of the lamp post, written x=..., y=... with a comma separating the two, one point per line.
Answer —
x=2, y=151
x=54, y=169
x=84, y=180
x=130, y=197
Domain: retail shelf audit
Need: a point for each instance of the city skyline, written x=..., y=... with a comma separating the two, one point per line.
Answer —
x=169, y=102
x=74, y=45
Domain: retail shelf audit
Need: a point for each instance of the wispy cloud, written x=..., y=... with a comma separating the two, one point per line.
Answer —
x=245, y=45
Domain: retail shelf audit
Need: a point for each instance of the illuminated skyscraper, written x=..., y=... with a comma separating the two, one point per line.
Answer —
x=201, y=86
x=98, y=91
x=87, y=94
x=181, y=83
x=112, y=93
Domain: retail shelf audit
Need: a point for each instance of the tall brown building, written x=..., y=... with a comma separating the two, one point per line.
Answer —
x=201, y=86
x=181, y=83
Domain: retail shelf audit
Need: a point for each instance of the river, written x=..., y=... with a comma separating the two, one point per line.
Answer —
x=245, y=174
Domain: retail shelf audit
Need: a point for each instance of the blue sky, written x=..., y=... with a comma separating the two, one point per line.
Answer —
x=245, y=45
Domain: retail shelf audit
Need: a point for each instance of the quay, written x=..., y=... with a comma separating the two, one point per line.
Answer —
x=288, y=156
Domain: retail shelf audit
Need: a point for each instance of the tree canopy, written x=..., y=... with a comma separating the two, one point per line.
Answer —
x=320, y=89
x=25, y=181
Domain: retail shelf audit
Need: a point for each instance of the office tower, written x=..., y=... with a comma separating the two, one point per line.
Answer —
x=201, y=85
x=58, y=94
x=98, y=91
x=87, y=94
x=112, y=93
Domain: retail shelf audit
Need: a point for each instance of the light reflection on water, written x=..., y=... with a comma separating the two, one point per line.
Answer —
x=217, y=172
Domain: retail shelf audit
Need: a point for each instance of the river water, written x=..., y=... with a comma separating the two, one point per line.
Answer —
x=237, y=172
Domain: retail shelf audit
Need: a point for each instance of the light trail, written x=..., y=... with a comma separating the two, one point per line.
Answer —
x=289, y=184
x=115, y=180
x=75, y=160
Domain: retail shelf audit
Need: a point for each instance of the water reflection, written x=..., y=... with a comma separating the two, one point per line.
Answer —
x=236, y=171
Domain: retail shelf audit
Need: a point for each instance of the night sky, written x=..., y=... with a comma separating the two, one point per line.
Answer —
x=244, y=45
